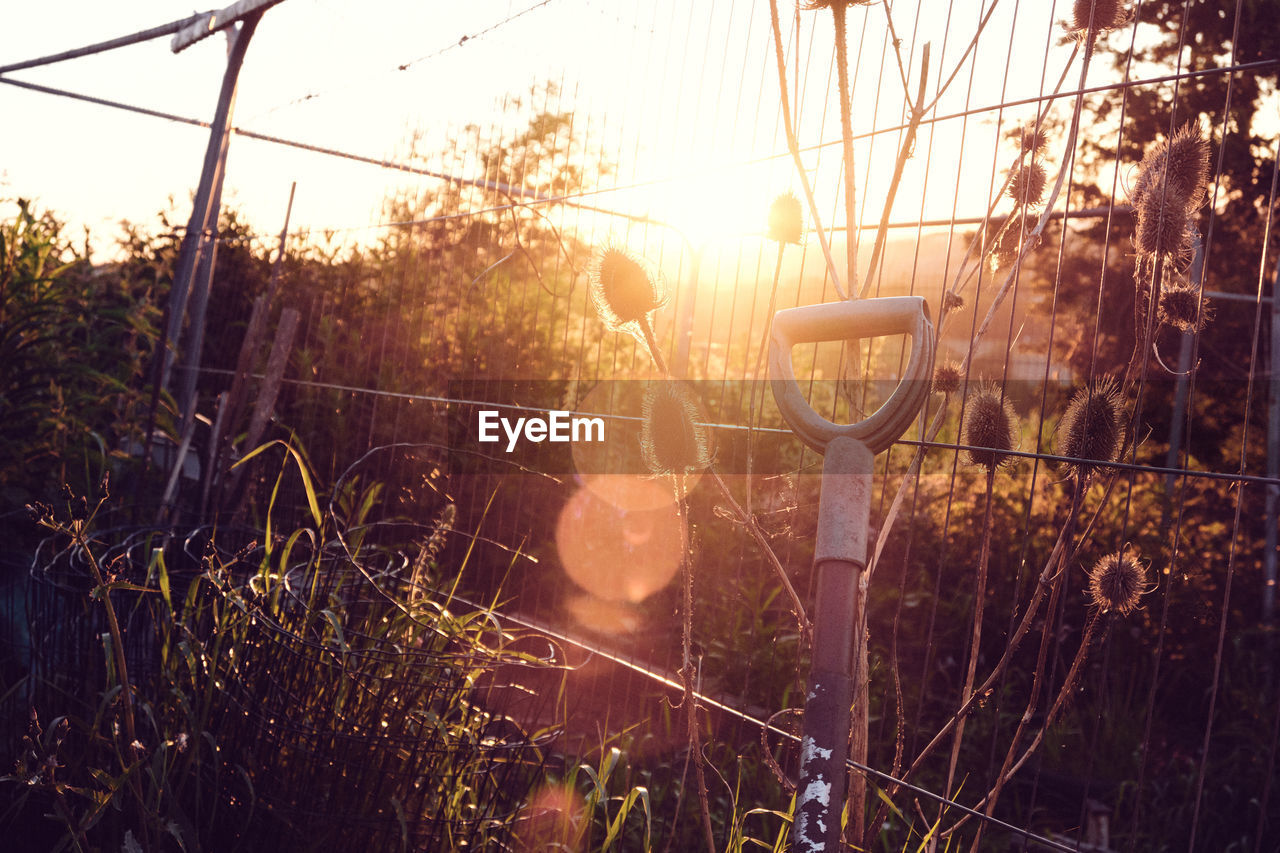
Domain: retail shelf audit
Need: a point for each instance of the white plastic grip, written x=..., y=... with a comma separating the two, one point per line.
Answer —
x=839, y=321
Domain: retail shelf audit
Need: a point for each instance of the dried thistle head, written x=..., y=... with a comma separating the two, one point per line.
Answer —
x=1171, y=184
x=673, y=436
x=827, y=4
x=1026, y=186
x=623, y=291
x=947, y=378
x=1031, y=139
x=990, y=428
x=1177, y=166
x=1098, y=16
x=1009, y=245
x=1118, y=581
x=786, y=223
x=1092, y=427
x=1164, y=225
x=1182, y=307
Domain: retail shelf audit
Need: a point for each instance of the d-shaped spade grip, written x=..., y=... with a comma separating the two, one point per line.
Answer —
x=839, y=321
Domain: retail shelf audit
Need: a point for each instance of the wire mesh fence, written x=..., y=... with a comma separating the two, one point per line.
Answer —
x=1069, y=607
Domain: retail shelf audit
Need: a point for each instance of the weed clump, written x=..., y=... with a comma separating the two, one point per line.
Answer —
x=1117, y=582
x=990, y=428
x=1092, y=427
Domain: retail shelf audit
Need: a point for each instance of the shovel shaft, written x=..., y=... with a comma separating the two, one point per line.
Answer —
x=840, y=556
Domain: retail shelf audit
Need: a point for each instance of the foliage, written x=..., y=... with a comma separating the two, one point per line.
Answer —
x=75, y=343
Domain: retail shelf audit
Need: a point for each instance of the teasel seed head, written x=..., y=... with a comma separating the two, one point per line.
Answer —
x=1092, y=427
x=1164, y=224
x=1032, y=140
x=1118, y=581
x=947, y=378
x=1026, y=187
x=673, y=436
x=785, y=221
x=1171, y=184
x=1097, y=16
x=1182, y=308
x=1178, y=165
x=827, y=4
x=990, y=428
x=623, y=291
x=1007, y=248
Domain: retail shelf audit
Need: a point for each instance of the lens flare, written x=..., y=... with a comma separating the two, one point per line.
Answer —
x=618, y=554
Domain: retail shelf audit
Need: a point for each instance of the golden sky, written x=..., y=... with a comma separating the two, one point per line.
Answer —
x=682, y=98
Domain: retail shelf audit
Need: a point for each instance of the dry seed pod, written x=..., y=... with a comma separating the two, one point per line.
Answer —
x=1178, y=165
x=1026, y=187
x=1164, y=224
x=1008, y=247
x=827, y=4
x=785, y=221
x=1181, y=307
x=1117, y=582
x=990, y=428
x=947, y=378
x=1032, y=140
x=673, y=437
x=1092, y=427
x=622, y=290
x=1097, y=16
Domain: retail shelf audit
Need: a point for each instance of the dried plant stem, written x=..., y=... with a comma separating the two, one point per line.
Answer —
x=904, y=153
x=690, y=701
x=755, y=374
x=1144, y=324
x=122, y=673
x=797, y=609
x=913, y=470
x=1047, y=577
x=1034, y=235
x=980, y=592
x=793, y=145
x=650, y=342
x=966, y=273
x=846, y=135
x=1010, y=767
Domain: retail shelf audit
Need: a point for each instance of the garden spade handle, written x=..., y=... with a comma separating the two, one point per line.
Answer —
x=839, y=321
x=840, y=549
